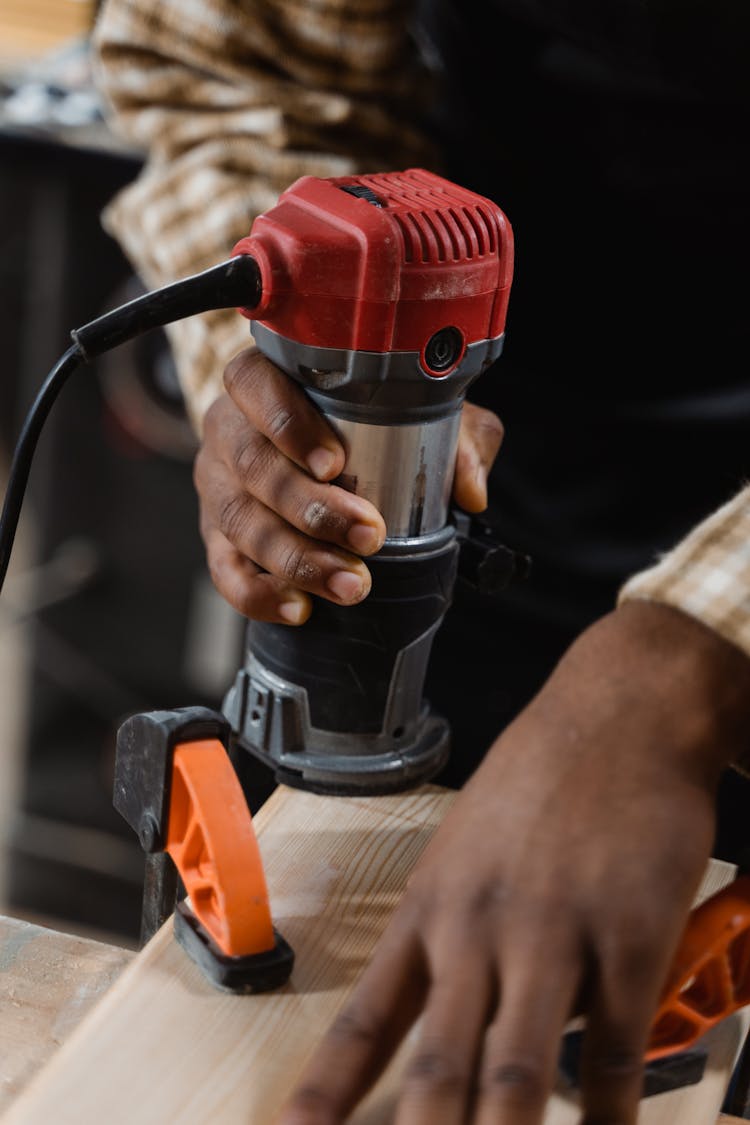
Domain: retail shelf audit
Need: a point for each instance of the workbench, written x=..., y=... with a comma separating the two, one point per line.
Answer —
x=90, y=1032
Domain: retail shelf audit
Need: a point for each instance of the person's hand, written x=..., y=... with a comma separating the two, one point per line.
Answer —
x=558, y=884
x=275, y=529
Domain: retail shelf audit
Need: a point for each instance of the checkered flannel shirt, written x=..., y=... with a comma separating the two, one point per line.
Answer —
x=230, y=102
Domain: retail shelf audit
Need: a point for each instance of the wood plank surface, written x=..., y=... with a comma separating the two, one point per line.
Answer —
x=165, y=1046
x=48, y=982
x=31, y=29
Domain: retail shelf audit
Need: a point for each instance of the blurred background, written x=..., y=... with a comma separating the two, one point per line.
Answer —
x=96, y=621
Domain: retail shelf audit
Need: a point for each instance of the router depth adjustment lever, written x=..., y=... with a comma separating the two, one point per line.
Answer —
x=384, y=297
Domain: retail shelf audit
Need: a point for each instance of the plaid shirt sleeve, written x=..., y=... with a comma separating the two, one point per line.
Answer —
x=230, y=102
x=707, y=575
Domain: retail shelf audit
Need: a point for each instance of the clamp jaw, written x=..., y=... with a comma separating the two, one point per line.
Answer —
x=176, y=787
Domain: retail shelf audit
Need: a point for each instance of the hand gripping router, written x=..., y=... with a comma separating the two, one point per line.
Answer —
x=384, y=296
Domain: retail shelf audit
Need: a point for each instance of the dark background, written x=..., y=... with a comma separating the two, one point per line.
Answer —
x=116, y=551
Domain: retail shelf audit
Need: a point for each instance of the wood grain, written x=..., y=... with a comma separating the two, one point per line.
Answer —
x=164, y=1046
x=48, y=983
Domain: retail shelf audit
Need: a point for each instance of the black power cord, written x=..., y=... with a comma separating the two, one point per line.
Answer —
x=234, y=283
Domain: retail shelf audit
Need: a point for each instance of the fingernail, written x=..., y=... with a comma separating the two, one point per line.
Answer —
x=320, y=462
x=294, y=612
x=364, y=539
x=347, y=586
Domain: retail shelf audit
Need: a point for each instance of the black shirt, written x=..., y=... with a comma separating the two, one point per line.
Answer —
x=614, y=136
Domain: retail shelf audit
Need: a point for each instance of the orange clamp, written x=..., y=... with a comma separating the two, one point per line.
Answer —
x=212, y=842
x=710, y=974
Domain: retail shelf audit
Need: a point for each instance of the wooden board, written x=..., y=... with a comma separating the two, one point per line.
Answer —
x=165, y=1046
x=31, y=28
x=48, y=982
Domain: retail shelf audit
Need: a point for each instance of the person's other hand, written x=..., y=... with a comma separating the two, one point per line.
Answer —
x=558, y=884
x=275, y=529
